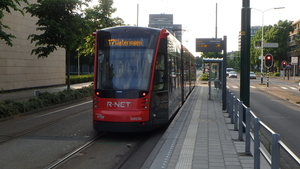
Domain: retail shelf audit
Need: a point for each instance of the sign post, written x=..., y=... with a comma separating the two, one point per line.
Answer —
x=214, y=45
x=209, y=45
x=294, y=61
x=283, y=66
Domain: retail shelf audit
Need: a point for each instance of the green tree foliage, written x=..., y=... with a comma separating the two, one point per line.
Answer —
x=99, y=17
x=198, y=61
x=235, y=62
x=60, y=23
x=7, y=5
x=277, y=33
x=212, y=55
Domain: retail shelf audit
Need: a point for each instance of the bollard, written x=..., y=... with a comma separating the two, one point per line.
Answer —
x=36, y=92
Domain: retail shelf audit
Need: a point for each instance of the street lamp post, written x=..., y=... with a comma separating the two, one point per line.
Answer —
x=262, y=42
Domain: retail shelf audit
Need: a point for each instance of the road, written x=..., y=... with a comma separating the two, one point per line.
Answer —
x=276, y=106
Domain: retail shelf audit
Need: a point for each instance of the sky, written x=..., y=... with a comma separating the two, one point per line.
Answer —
x=198, y=17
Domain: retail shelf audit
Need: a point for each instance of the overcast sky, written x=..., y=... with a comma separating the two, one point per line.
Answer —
x=198, y=17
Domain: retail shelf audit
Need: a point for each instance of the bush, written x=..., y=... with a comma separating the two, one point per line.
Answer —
x=45, y=99
x=10, y=108
x=81, y=78
x=204, y=76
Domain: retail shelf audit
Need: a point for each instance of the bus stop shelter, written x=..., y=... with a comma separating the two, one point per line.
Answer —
x=214, y=67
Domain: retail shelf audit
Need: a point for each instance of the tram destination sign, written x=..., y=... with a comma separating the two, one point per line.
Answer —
x=209, y=45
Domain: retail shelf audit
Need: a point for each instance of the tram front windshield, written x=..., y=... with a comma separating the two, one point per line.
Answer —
x=124, y=61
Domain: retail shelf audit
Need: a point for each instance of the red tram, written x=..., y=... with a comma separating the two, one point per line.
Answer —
x=142, y=77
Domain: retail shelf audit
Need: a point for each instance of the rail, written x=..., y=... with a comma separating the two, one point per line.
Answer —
x=253, y=131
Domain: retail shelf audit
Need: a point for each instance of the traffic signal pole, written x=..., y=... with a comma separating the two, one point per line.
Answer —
x=268, y=64
x=267, y=77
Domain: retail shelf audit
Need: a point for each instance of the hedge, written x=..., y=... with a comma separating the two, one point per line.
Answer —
x=44, y=99
x=81, y=78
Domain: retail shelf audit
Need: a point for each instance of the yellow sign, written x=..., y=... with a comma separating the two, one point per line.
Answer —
x=122, y=42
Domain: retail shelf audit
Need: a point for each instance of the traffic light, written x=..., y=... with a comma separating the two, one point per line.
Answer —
x=283, y=64
x=268, y=60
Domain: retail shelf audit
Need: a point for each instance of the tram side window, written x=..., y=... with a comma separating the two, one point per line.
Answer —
x=159, y=72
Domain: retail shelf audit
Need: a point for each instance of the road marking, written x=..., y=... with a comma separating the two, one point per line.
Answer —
x=285, y=88
x=253, y=87
x=235, y=87
x=293, y=88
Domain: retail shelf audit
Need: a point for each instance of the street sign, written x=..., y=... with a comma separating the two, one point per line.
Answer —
x=209, y=45
x=257, y=44
x=270, y=45
x=294, y=60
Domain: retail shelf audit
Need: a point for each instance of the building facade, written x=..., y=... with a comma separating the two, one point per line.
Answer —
x=18, y=68
x=293, y=57
x=166, y=21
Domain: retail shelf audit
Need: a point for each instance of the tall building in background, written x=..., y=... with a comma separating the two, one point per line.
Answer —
x=166, y=21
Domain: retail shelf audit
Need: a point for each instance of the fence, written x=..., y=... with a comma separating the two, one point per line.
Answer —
x=253, y=131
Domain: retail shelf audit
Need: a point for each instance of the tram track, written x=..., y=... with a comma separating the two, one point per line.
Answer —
x=68, y=156
x=42, y=137
x=6, y=130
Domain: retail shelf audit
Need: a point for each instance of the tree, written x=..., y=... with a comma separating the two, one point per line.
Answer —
x=212, y=55
x=277, y=33
x=198, y=62
x=61, y=25
x=235, y=62
x=5, y=5
x=99, y=17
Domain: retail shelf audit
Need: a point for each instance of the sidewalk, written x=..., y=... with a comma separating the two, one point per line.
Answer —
x=26, y=94
x=201, y=136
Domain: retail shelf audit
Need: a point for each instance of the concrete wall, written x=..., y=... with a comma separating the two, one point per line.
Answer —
x=18, y=68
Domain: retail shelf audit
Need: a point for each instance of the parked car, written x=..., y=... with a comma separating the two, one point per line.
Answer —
x=232, y=74
x=252, y=75
x=228, y=70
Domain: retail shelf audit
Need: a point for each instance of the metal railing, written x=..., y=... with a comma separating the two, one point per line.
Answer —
x=252, y=130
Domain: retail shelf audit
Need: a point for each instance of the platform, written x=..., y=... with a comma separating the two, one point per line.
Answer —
x=200, y=136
